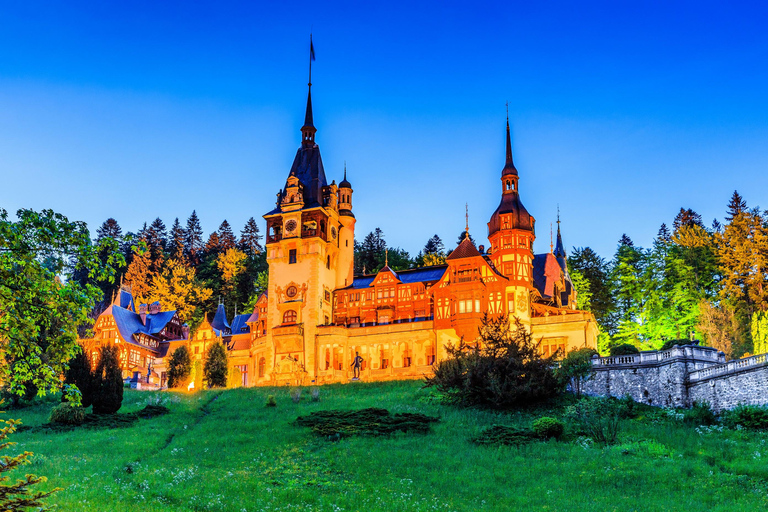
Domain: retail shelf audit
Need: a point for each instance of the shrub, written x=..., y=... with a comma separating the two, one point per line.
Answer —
x=295, y=395
x=107, y=382
x=215, y=368
x=334, y=424
x=627, y=407
x=79, y=374
x=179, y=368
x=508, y=370
x=271, y=401
x=547, y=428
x=699, y=414
x=598, y=418
x=67, y=414
x=624, y=349
x=315, y=393
x=576, y=367
x=671, y=343
x=504, y=434
x=753, y=417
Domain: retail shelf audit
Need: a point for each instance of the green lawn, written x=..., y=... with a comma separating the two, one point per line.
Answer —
x=226, y=451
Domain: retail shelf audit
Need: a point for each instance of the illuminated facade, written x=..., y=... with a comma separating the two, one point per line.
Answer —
x=317, y=315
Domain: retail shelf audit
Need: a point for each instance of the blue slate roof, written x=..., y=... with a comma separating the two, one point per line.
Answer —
x=129, y=323
x=219, y=322
x=126, y=300
x=239, y=324
x=413, y=275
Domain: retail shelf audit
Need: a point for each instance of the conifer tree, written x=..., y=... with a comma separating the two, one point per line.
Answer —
x=626, y=272
x=462, y=235
x=597, y=272
x=249, y=238
x=226, y=237
x=213, y=245
x=108, y=382
x=20, y=495
x=736, y=205
x=193, y=239
x=109, y=229
x=215, y=368
x=434, y=246
x=176, y=242
x=179, y=368
x=80, y=375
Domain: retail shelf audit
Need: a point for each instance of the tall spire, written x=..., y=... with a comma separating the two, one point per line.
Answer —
x=308, y=130
x=466, y=208
x=560, y=247
x=509, y=166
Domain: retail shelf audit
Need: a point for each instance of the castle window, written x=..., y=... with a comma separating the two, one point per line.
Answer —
x=509, y=186
x=292, y=256
x=262, y=366
x=289, y=317
x=328, y=262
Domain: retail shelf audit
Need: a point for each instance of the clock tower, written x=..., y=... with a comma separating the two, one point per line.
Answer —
x=310, y=250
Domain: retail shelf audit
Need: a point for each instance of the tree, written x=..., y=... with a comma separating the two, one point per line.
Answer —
x=462, y=235
x=626, y=271
x=434, y=246
x=179, y=368
x=108, y=382
x=226, y=236
x=177, y=288
x=399, y=259
x=213, y=245
x=215, y=368
x=177, y=240
x=736, y=205
x=760, y=332
x=193, y=239
x=140, y=274
x=109, y=237
x=720, y=326
x=231, y=264
x=597, y=272
x=157, y=240
x=686, y=217
x=109, y=229
x=428, y=260
x=79, y=374
x=40, y=306
x=504, y=369
x=249, y=238
x=370, y=254
x=576, y=367
x=18, y=496
x=581, y=285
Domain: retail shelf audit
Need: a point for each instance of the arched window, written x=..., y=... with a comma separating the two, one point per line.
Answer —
x=262, y=367
x=289, y=317
x=509, y=186
x=328, y=262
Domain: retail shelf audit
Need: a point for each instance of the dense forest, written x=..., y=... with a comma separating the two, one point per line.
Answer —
x=695, y=281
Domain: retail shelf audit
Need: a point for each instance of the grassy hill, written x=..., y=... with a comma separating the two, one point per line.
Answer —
x=226, y=451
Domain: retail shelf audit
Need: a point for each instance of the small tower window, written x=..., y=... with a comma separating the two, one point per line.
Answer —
x=509, y=185
x=328, y=262
x=292, y=256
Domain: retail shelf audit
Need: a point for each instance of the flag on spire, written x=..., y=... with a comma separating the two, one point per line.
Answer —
x=311, y=48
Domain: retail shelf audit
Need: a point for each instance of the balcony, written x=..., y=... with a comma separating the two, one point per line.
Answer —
x=288, y=330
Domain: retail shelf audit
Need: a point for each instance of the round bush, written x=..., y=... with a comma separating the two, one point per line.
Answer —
x=625, y=349
x=547, y=427
x=67, y=415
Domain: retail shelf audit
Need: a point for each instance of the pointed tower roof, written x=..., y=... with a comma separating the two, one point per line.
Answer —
x=219, y=321
x=560, y=247
x=465, y=249
x=509, y=166
x=344, y=183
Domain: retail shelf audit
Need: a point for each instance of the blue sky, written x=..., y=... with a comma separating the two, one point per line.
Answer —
x=621, y=112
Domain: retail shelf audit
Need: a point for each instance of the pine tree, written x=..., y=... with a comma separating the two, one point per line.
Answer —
x=434, y=246
x=249, y=238
x=213, y=245
x=226, y=236
x=686, y=217
x=193, y=239
x=597, y=272
x=79, y=374
x=108, y=382
x=179, y=368
x=18, y=496
x=736, y=205
x=231, y=264
x=370, y=255
x=176, y=243
x=627, y=269
x=157, y=240
x=215, y=368
x=109, y=229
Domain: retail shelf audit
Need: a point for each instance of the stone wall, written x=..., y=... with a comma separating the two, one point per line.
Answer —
x=681, y=376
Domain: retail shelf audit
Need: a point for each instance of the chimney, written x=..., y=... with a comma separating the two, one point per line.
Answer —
x=481, y=249
x=143, y=313
x=154, y=308
x=185, y=331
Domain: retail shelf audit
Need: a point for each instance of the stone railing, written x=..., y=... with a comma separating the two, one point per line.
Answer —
x=734, y=366
x=655, y=357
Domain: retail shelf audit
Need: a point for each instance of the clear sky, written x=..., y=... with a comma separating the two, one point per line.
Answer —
x=621, y=112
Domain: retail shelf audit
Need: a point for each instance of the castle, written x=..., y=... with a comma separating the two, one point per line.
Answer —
x=318, y=316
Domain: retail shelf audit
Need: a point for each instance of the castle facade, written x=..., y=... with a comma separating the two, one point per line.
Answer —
x=318, y=316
